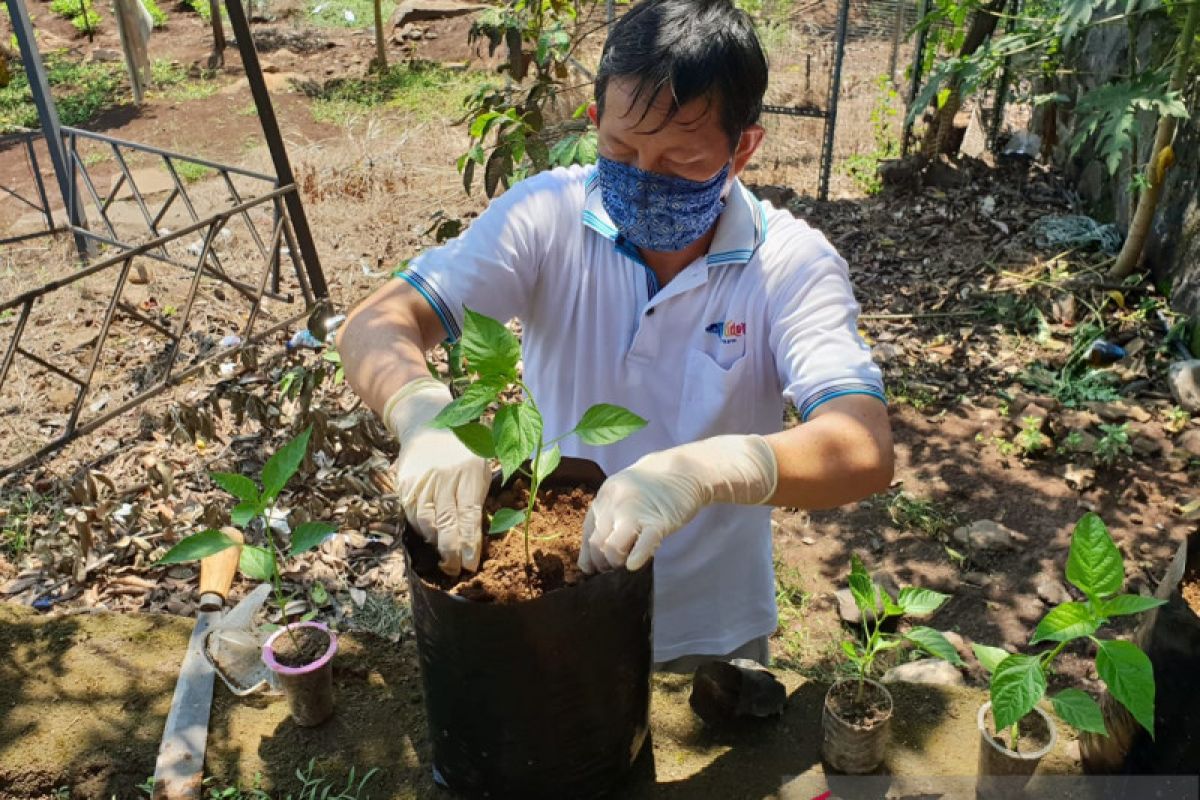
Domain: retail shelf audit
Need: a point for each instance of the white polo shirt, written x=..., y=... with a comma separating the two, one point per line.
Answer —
x=758, y=319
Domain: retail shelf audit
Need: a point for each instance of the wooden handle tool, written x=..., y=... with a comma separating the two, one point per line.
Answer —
x=217, y=571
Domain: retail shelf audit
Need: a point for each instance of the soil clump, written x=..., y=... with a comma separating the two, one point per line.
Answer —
x=866, y=712
x=300, y=647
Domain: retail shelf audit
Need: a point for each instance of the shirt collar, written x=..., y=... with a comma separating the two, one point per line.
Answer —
x=741, y=228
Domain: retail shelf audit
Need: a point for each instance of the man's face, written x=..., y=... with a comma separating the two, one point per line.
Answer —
x=691, y=145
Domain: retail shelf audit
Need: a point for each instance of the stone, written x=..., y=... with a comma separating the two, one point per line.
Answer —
x=1189, y=442
x=425, y=10
x=928, y=671
x=1051, y=591
x=722, y=691
x=1031, y=411
x=1184, y=379
x=1079, y=478
x=105, y=55
x=985, y=534
x=944, y=173
x=150, y=182
x=1146, y=447
x=884, y=352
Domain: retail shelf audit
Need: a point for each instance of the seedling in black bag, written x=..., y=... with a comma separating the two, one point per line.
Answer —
x=515, y=435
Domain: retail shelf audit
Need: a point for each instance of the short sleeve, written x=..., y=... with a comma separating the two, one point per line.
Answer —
x=813, y=320
x=493, y=266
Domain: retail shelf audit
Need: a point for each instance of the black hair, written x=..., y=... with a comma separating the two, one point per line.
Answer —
x=692, y=48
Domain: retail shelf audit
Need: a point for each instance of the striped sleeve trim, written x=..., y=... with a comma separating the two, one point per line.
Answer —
x=439, y=306
x=839, y=390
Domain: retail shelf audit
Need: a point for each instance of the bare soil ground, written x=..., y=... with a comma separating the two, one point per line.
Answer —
x=960, y=303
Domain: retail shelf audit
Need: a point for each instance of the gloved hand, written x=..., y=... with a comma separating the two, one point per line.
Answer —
x=660, y=493
x=440, y=482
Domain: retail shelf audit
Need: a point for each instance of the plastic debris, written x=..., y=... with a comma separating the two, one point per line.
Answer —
x=302, y=338
x=723, y=690
x=227, y=369
x=232, y=340
x=349, y=15
x=1103, y=352
x=1075, y=230
x=1023, y=143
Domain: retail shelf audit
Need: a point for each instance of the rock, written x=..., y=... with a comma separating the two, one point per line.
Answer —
x=723, y=690
x=901, y=175
x=1031, y=411
x=928, y=671
x=1078, y=419
x=944, y=173
x=105, y=55
x=985, y=534
x=1079, y=478
x=425, y=10
x=977, y=578
x=1051, y=591
x=1146, y=447
x=1184, y=379
x=1189, y=441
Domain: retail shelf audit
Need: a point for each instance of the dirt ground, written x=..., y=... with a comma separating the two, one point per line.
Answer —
x=961, y=303
x=84, y=696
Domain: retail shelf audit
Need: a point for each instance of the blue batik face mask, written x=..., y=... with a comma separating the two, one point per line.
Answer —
x=659, y=212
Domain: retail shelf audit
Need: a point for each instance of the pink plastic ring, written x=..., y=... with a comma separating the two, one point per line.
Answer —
x=268, y=653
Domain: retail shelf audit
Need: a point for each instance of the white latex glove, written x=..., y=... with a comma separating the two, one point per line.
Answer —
x=660, y=493
x=440, y=482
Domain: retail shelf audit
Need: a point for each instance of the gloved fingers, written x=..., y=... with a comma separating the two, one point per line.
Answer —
x=645, y=547
x=470, y=531
x=601, y=530
x=449, y=541
x=585, y=551
x=422, y=513
x=625, y=532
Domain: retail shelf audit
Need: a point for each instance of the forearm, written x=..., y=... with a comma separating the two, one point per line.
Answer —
x=383, y=342
x=843, y=453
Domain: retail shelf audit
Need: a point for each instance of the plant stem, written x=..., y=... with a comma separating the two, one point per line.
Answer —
x=276, y=578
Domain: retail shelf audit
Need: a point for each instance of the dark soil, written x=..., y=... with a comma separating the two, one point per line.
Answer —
x=1190, y=589
x=555, y=536
x=300, y=647
x=867, y=712
x=1033, y=737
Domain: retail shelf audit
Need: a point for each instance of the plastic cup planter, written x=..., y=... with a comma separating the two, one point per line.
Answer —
x=1003, y=772
x=855, y=749
x=308, y=688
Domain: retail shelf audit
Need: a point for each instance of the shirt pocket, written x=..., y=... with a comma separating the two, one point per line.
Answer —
x=716, y=398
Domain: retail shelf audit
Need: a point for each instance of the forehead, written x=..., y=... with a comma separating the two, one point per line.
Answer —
x=627, y=112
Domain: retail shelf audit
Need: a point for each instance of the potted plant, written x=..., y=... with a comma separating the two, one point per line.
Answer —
x=1015, y=734
x=536, y=677
x=856, y=718
x=299, y=653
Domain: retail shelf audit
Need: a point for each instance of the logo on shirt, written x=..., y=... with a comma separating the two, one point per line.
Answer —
x=727, y=332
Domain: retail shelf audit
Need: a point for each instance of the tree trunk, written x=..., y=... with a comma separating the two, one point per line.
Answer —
x=216, y=59
x=1161, y=157
x=380, y=44
x=939, y=134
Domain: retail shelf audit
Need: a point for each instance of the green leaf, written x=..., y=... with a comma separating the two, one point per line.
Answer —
x=1079, y=710
x=1094, y=565
x=282, y=466
x=547, y=463
x=863, y=589
x=470, y=405
x=196, y=547
x=587, y=148
x=516, y=432
x=478, y=439
x=239, y=486
x=319, y=595
x=1125, y=604
x=1106, y=117
x=489, y=346
x=605, y=424
x=919, y=602
x=244, y=512
x=256, y=563
x=562, y=154
x=1066, y=622
x=849, y=649
x=989, y=657
x=309, y=535
x=1129, y=676
x=506, y=518
x=934, y=643
x=1018, y=683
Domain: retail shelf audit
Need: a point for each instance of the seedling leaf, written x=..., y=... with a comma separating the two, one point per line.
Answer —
x=1066, y=622
x=605, y=424
x=863, y=589
x=1125, y=604
x=196, y=547
x=1017, y=685
x=1094, y=565
x=506, y=518
x=244, y=512
x=280, y=467
x=989, y=657
x=934, y=643
x=489, y=346
x=918, y=602
x=547, y=463
x=256, y=563
x=1079, y=710
x=309, y=535
x=237, y=485
x=478, y=439
x=469, y=405
x=1129, y=676
x=516, y=432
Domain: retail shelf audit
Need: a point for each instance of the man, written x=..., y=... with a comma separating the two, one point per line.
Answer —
x=653, y=280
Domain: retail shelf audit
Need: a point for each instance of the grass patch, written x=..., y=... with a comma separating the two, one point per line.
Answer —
x=191, y=172
x=173, y=83
x=427, y=91
x=80, y=12
x=81, y=90
x=911, y=513
x=17, y=523
x=383, y=616
x=333, y=13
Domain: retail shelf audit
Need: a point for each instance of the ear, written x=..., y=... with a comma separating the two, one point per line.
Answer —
x=749, y=141
x=593, y=113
